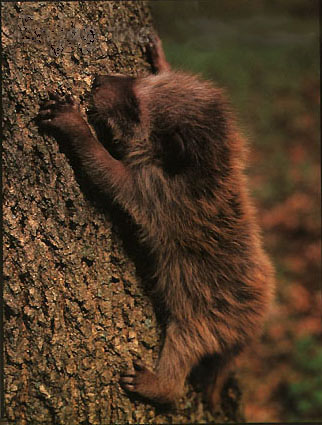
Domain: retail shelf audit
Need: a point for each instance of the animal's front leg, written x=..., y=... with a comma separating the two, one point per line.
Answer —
x=61, y=117
x=157, y=55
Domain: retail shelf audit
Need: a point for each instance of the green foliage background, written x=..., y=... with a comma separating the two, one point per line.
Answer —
x=266, y=54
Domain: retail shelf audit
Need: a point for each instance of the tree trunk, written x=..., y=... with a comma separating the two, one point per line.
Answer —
x=76, y=314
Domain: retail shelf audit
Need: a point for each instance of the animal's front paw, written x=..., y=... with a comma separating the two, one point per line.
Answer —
x=156, y=54
x=61, y=114
x=140, y=380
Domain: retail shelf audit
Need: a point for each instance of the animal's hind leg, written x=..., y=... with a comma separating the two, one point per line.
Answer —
x=166, y=383
x=218, y=373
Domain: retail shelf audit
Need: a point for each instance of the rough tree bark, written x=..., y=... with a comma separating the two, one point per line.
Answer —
x=75, y=312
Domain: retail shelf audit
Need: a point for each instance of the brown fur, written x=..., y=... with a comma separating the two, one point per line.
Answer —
x=180, y=176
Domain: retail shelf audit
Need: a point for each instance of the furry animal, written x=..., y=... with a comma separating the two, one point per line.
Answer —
x=179, y=174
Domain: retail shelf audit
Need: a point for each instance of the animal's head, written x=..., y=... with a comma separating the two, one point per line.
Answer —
x=174, y=120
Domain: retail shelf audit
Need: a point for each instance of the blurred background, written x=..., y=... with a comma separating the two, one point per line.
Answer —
x=266, y=54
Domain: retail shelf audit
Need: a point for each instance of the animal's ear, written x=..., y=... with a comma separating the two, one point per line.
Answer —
x=178, y=149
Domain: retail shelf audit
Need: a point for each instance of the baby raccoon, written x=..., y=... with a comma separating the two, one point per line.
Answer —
x=179, y=174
